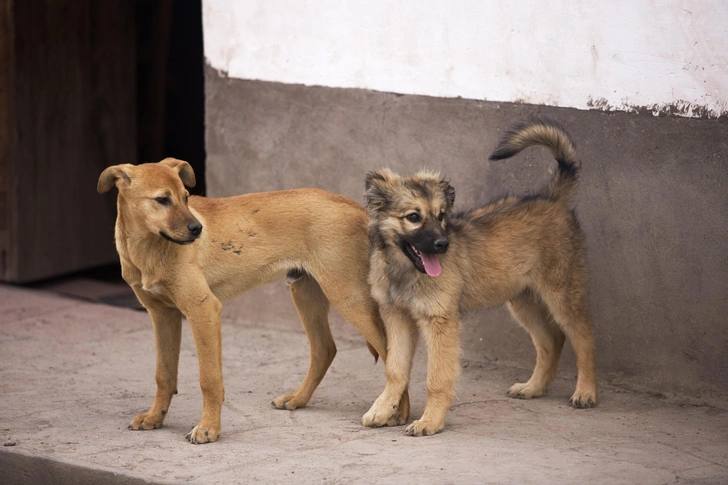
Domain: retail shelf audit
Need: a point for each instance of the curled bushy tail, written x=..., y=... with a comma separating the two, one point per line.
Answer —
x=549, y=134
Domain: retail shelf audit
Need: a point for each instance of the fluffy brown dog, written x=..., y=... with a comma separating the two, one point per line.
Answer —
x=429, y=265
x=183, y=255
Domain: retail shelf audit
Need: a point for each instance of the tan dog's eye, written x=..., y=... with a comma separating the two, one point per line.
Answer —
x=441, y=217
x=414, y=217
x=163, y=200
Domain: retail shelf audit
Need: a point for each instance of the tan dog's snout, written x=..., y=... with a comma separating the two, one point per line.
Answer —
x=190, y=223
x=195, y=228
x=182, y=229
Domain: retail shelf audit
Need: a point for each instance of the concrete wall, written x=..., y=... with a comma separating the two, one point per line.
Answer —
x=653, y=198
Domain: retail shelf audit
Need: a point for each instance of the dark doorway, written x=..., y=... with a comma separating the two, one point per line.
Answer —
x=170, y=83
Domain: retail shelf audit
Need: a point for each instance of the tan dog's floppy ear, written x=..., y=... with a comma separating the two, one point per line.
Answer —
x=377, y=193
x=186, y=174
x=108, y=178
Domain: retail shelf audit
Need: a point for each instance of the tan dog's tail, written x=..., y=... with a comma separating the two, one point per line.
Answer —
x=374, y=352
x=549, y=134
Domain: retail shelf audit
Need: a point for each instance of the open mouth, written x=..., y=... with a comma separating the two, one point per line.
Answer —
x=181, y=243
x=424, y=262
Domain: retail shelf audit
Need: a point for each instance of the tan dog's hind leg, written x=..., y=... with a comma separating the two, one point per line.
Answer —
x=443, y=368
x=401, y=344
x=313, y=310
x=204, y=318
x=569, y=309
x=167, y=324
x=548, y=339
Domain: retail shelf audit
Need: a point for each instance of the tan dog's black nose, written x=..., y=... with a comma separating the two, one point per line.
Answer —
x=195, y=228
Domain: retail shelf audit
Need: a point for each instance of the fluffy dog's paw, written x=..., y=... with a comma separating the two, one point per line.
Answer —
x=289, y=402
x=146, y=421
x=525, y=391
x=201, y=435
x=423, y=428
x=583, y=400
x=382, y=415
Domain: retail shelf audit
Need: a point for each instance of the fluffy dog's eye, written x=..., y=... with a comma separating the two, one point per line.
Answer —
x=163, y=200
x=414, y=217
x=441, y=217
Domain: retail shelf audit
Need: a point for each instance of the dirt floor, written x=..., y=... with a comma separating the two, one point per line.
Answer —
x=74, y=372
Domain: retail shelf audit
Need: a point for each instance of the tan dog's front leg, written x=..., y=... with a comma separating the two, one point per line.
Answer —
x=167, y=324
x=443, y=369
x=401, y=343
x=205, y=324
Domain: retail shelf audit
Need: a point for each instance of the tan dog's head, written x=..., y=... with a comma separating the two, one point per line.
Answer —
x=410, y=213
x=153, y=198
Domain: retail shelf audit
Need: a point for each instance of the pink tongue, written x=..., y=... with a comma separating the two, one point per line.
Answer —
x=432, y=265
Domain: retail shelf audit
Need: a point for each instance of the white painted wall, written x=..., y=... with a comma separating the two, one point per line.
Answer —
x=587, y=54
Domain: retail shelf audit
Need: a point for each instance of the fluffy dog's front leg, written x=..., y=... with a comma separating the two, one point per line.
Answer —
x=443, y=369
x=167, y=324
x=401, y=342
x=205, y=324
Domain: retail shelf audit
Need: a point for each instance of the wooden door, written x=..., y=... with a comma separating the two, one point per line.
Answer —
x=67, y=111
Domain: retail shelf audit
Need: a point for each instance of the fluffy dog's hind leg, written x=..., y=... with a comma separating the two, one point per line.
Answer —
x=548, y=339
x=569, y=309
x=313, y=309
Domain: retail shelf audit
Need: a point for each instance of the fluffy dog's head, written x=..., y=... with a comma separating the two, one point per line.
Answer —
x=410, y=214
x=153, y=198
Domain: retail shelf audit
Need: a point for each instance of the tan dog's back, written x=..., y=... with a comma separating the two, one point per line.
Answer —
x=247, y=245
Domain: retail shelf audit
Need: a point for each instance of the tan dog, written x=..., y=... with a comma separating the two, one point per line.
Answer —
x=429, y=265
x=183, y=256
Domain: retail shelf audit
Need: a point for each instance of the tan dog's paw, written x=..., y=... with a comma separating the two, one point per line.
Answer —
x=382, y=415
x=146, y=421
x=583, y=399
x=423, y=428
x=526, y=391
x=201, y=435
x=289, y=402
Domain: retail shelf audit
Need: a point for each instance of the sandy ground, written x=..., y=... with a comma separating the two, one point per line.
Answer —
x=73, y=373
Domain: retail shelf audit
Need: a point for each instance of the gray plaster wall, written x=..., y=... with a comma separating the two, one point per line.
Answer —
x=653, y=202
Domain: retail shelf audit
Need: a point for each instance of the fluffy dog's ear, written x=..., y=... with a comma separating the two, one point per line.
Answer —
x=376, y=189
x=186, y=174
x=449, y=192
x=110, y=176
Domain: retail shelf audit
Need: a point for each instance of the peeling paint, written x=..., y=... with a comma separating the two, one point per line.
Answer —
x=680, y=108
x=220, y=72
